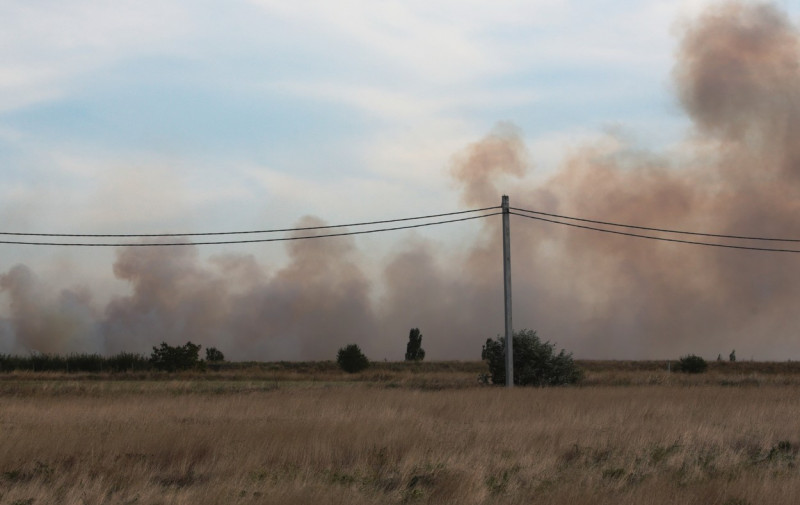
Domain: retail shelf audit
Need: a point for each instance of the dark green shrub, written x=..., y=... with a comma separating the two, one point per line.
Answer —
x=414, y=350
x=214, y=358
x=351, y=359
x=214, y=355
x=692, y=364
x=535, y=362
x=172, y=359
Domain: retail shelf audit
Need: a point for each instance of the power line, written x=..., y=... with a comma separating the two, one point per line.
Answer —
x=252, y=241
x=663, y=239
x=661, y=230
x=276, y=230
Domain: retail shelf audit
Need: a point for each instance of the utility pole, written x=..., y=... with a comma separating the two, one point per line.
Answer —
x=507, y=294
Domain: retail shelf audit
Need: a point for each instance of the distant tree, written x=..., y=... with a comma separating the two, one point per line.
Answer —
x=414, y=350
x=535, y=362
x=719, y=357
x=213, y=355
x=692, y=364
x=172, y=359
x=351, y=359
x=732, y=355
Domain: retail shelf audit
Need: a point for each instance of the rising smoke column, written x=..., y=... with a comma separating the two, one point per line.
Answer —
x=455, y=295
x=607, y=296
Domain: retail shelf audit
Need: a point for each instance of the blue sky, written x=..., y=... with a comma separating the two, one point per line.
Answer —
x=234, y=105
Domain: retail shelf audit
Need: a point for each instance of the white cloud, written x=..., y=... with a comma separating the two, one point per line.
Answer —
x=46, y=46
x=403, y=36
x=431, y=74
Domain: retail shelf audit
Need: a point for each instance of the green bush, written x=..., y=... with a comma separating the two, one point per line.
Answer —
x=214, y=355
x=692, y=364
x=535, y=362
x=214, y=358
x=351, y=359
x=172, y=359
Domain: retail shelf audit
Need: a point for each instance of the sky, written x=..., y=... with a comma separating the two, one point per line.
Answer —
x=179, y=116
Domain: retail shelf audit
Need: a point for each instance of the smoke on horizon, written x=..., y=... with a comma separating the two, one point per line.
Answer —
x=737, y=76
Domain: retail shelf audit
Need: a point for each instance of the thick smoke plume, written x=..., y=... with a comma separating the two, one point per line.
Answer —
x=602, y=296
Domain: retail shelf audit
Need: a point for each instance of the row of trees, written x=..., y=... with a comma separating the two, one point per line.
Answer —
x=536, y=363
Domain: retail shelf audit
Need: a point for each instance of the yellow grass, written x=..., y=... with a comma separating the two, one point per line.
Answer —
x=665, y=439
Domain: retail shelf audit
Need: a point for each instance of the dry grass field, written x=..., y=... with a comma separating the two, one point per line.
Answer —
x=630, y=434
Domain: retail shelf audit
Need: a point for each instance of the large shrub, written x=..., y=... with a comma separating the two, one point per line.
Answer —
x=351, y=359
x=172, y=359
x=692, y=364
x=535, y=362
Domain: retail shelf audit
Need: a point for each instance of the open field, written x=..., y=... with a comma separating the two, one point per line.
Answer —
x=631, y=434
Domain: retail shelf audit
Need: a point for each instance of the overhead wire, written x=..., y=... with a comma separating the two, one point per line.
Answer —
x=527, y=213
x=661, y=230
x=246, y=232
x=262, y=240
x=663, y=239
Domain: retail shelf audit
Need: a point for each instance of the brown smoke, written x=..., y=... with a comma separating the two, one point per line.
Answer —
x=615, y=297
x=46, y=322
x=737, y=73
x=307, y=310
x=599, y=295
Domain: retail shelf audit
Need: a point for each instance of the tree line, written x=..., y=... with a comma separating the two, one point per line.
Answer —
x=165, y=357
x=536, y=363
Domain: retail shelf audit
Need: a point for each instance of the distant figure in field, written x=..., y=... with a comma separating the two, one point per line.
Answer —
x=733, y=355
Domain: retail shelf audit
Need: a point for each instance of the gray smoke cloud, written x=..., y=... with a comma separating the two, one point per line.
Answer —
x=599, y=295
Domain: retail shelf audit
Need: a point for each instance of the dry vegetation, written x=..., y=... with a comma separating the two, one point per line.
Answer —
x=291, y=434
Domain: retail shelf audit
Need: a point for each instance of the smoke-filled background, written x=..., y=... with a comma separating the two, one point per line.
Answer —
x=734, y=169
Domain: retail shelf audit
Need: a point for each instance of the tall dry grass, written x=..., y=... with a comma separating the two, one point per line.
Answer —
x=205, y=442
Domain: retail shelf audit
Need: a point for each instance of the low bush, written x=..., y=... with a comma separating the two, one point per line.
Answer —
x=214, y=355
x=351, y=359
x=692, y=364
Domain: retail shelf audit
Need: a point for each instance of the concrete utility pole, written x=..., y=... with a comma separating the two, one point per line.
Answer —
x=507, y=294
